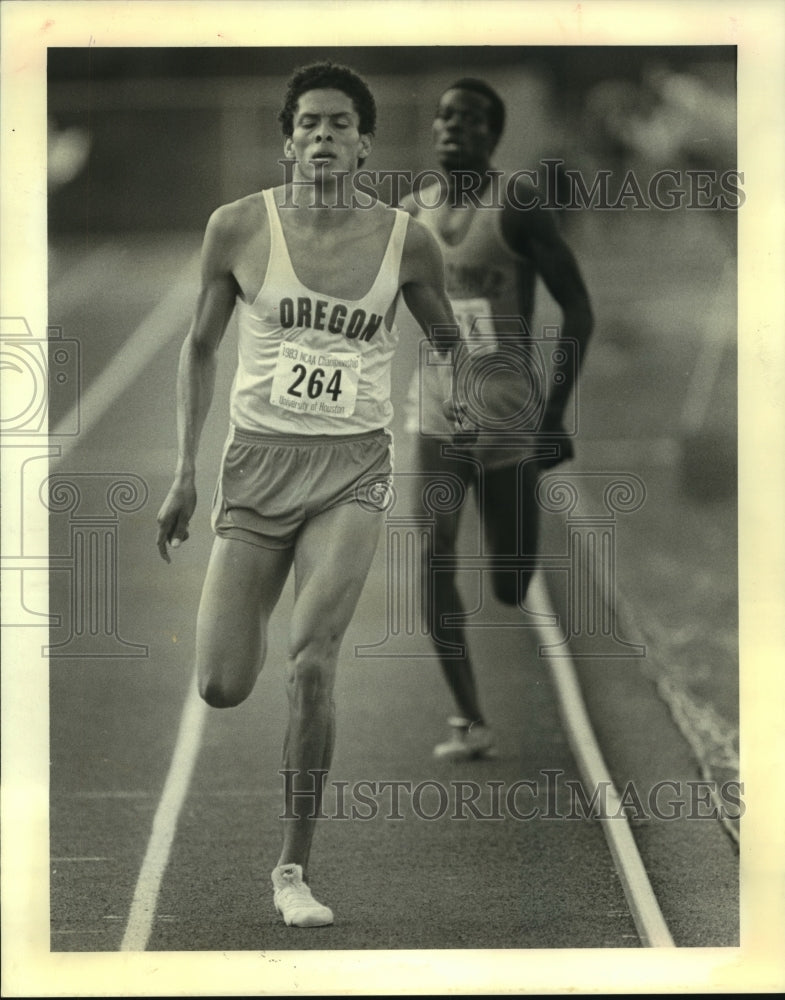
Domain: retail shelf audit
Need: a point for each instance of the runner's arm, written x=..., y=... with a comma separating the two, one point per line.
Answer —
x=533, y=233
x=422, y=283
x=196, y=376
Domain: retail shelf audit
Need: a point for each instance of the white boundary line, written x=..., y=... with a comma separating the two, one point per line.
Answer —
x=148, y=885
x=643, y=904
x=155, y=330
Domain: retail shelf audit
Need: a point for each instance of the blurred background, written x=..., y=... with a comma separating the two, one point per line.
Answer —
x=201, y=124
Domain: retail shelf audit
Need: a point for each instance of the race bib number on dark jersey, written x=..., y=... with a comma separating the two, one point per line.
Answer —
x=314, y=382
x=475, y=319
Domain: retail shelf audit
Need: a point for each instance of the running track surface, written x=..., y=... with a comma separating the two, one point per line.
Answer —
x=409, y=883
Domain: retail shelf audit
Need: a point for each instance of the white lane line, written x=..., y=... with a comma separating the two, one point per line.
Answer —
x=61, y=860
x=157, y=327
x=154, y=331
x=645, y=910
x=189, y=738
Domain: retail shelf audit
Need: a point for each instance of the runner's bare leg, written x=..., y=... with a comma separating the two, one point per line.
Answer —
x=333, y=555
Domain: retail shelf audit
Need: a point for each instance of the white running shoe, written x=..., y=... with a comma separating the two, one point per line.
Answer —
x=293, y=899
x=469, y=741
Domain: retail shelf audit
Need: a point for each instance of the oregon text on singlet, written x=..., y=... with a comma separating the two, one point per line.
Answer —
x=310, y=363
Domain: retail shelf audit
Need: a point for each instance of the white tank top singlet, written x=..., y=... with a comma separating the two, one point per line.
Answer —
x=311, y=363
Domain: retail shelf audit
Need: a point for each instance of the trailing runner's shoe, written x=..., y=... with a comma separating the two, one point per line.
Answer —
x=293, y=899
x=469, y=741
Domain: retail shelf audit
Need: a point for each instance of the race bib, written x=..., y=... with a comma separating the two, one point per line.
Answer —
x=475, y=318
x=314, y=382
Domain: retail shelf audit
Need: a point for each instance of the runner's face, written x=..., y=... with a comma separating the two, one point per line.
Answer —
x=461, y=135
x=326, y=138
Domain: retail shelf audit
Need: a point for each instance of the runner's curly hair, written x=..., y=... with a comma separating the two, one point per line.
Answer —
x=328, y=75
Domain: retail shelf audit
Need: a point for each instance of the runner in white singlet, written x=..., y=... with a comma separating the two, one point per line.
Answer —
x=316, y=286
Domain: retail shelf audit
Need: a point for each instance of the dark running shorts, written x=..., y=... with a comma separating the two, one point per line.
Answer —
x=271, y=484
